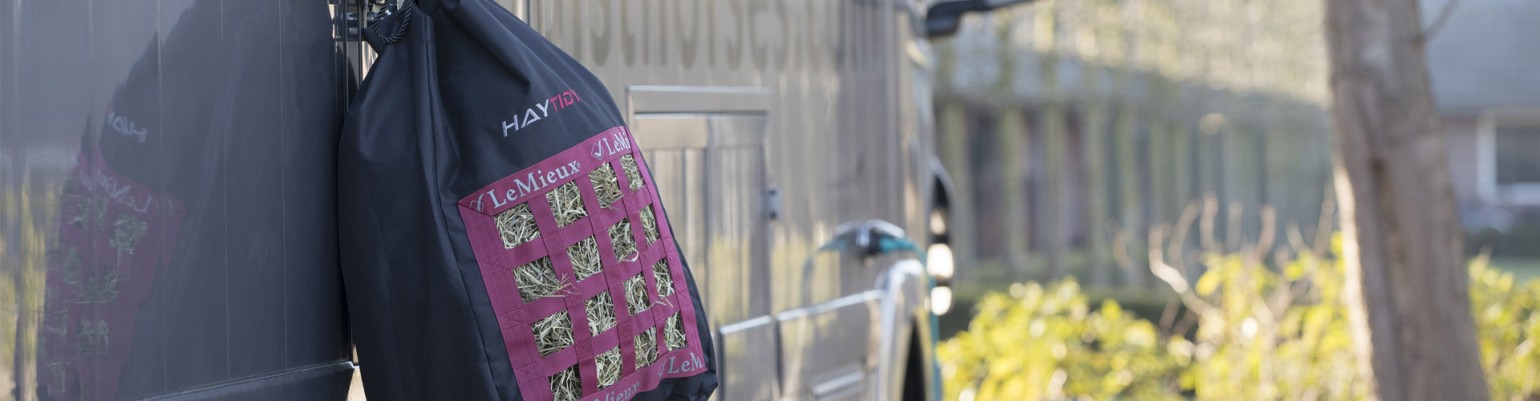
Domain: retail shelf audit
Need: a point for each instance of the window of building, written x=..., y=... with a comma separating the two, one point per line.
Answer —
x=1510, y=170
x=1517, y=156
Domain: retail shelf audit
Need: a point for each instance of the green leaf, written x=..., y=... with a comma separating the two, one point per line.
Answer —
x=1208, y=283
x=1294, y=271
x=1111, y=310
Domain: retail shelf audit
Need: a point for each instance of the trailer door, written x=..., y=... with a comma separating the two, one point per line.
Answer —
x=709, y=169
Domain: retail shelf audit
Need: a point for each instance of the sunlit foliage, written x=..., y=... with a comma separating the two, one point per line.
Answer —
x=1263, y=332
x=1047, y=343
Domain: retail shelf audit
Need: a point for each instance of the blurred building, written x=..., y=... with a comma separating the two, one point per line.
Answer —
x=1482, y=59
x=1073, y=128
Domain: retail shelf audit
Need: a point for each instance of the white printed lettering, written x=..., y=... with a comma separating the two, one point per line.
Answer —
x=507, y=125
x=545, y=108
x=542, y=106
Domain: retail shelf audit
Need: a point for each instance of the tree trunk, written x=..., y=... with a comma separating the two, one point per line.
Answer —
x=1407, y=289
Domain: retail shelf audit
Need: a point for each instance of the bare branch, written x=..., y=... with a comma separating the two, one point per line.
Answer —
x=1171, y=276
x=1168, y=315
x=1158, y=266
x=1178, y=244
x=1206, y=226
x=1266, y=237
x=1234, y=223
x=1296, y=239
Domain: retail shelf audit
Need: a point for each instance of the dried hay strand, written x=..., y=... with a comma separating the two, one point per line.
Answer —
x=565, y=385
x=665, y=279
x=73, y=202
x=517, y=225
x=636, y=294
x=90, y=207
x=537, y=280
x=620, y=238
x=99, y=289
x=601, y=312
x=608, y=365
x=93, y=340
x=673, y=333
x=553, y=333
x=646, y=348
x=126, y=233
x=606, y=185
x=633, y=174
x=566, y=204
x=585, y=258
x=649, y=224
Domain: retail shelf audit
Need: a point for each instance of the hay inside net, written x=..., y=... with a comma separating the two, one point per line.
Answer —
x=633, y=174
x=608, y=365
x=537, y=280
x=566, y=204
x=74, y=202
x=673, y=333
x=636, y=294
x=517, y=225
x=565, y=385
x=606, y=185
x=126, y=233
x=646, y=348
x=661, y=275
x=90, y=207
x=601, y=313
x=100, y=289
x=553, y=333
x=649, y=224
x=620, y=238
x=585, y=258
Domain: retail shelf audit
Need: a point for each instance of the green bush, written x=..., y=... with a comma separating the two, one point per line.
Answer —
x=1046, y=343
x=1507, y=316
x=1263, y=333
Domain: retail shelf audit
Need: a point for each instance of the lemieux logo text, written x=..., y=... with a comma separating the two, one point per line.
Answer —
x=532, y=182
x=530, y=115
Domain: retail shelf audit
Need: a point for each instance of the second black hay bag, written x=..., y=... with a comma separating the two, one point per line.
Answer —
x=501, y=235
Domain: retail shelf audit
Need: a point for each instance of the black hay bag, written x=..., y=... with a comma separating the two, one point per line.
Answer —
x=501, y=236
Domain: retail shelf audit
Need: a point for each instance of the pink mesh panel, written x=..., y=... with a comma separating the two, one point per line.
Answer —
x=114, y=234
x=515, y=316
